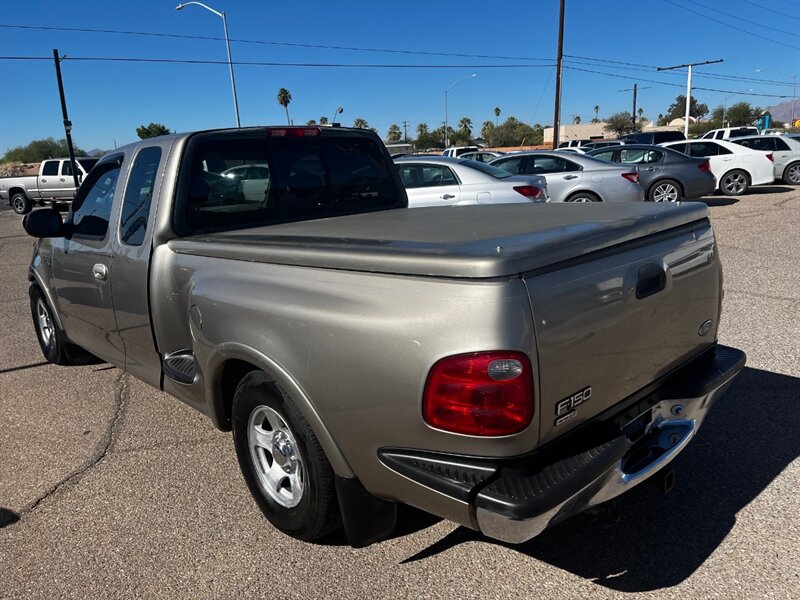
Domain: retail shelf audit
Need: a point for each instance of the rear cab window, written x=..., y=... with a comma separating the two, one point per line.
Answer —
x=239, y=180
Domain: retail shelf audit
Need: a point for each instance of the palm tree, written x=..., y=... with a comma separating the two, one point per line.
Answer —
x=284, y=98
x=394, y=134
x=576, y=120
x=311, y=122
x=496, y=114
x=466, y=125
x=360, y=123
x=641, y=116
x=323, y=120
x=596, y=112
x=422, y=129
x=486, y=131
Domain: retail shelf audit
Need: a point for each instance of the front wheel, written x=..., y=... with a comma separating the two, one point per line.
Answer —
x=55, y=348
x=734, y=183
x=791, y=174
x=665, y=191
x=20, y=203
x=583, y=197
x=282, y=461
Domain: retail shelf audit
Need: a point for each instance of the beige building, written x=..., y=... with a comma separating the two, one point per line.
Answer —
x=582, y=131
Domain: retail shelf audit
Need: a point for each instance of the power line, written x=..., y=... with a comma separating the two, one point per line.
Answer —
x=795, y=17
x=267, y=42
x=717, y=21
x=710, y=75
x=272, y=64
x=750, y=22
x=668, y=83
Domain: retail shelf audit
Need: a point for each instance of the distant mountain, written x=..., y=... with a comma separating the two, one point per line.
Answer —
x=98, y=152
x=783, y=111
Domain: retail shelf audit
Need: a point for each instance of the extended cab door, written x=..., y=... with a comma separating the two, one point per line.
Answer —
x=82, y=262
x=130, y=261
x=48, y=179
x=66, y=182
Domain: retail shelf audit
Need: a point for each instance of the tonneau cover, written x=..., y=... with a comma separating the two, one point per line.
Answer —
x=480, y=241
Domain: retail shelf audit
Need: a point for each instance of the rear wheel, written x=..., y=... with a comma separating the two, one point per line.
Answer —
x=791, y=174
x=21, y=203
x=282, y=461
x=666, y=190
x=734, y=183
x=583, y=197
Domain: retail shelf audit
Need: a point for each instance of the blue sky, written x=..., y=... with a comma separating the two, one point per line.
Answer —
x=108, y=100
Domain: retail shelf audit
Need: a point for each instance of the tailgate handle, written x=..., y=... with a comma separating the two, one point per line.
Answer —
x=650, y=280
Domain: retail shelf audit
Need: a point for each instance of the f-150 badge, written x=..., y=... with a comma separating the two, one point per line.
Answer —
x=568, y=408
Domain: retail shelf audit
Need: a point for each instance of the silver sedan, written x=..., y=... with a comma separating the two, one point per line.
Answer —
x=444, y=181
x=576, y=177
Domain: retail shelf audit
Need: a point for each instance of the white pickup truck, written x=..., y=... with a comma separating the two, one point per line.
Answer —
x=54, y=183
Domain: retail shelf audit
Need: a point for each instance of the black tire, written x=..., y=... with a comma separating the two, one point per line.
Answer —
x=316, y=513
x=54, y=344
x=791, y=174
x=734, y=183
x=20, y=203
x=665, y=190
x=583, y=197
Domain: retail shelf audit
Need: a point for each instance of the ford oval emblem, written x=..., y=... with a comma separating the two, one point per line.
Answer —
x=705, y=327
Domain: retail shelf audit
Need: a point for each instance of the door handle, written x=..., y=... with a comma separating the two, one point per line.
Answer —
x=44, y=180
x=570, y=176
x=62, y=179
x=100, y=272
x=651, y=168
x=447, y=196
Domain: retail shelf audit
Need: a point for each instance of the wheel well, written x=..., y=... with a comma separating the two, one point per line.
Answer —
x=14, y=190
x=746, y=174
x=586, y=193
x=233, y=372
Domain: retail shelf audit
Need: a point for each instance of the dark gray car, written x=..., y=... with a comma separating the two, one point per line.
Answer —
x=665, y=175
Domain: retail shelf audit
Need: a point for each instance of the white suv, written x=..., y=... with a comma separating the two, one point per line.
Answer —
x=457, y=151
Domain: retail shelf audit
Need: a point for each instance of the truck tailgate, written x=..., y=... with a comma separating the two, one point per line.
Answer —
x=609, y=323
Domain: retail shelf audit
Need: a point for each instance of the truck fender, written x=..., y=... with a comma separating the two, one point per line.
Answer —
x=220, y=412
x=36, y=279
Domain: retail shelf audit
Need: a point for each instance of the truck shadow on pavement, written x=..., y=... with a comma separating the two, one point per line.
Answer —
x=749, y=437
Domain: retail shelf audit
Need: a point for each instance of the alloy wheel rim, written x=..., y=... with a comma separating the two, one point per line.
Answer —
x=734, y=183
x=45, y=323
x=275, y=457
x=665, y=193
x=794, y=174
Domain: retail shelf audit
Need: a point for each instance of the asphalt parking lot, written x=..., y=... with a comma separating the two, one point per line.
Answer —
x=111, y=489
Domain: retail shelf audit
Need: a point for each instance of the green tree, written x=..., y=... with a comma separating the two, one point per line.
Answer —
x=152, y=130
x=620, y=123
x=284, y=98
x=742, y=113
x=323, y=120
x=360, y=123
x=513, y=132
x=394, y=134
x=677, y=110
x=311, y=122
x=422, y=129
x=496, y=115
x=39, y=150
x=576, y=120
x=465, y=124
x=596, y=112
x=486, y=131
x=641, y=118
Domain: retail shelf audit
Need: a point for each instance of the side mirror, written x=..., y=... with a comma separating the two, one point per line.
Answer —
x=44, y=223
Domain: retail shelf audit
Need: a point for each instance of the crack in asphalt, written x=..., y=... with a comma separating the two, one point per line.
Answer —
x=101, y=451
x=759, y=295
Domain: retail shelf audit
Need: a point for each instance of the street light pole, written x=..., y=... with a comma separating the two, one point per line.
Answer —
x=634, y=89
x=689, y=87
x=446, y=137
x=794, y=87
x=228, y=46
x=338, y=111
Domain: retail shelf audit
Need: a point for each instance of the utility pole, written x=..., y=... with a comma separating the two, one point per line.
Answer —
x=559, y=70
x=634, y=90
x=67, y=122
x=405, y=132
x=689, y=87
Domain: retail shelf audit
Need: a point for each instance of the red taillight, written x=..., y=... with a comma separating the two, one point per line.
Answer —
x=632, y=177
x=704, y=166
x=530, y=191
x=292, y=131
x=484, y=393
x=769, y=156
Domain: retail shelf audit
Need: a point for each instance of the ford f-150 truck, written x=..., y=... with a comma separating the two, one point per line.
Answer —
x=501, y=366
x=54, y=183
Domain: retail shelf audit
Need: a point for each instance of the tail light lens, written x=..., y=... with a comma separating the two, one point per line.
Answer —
x=530, y=191
x=769, y=156
x=484, y=393
x=632, y=177
x=293, y=131
x=704, y=166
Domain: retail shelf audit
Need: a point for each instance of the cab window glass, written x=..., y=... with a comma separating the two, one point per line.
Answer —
x=781, y=145
x=138, y=196
x=50, y=168
x=92, y=206
x=66, y=168
x=512, y=165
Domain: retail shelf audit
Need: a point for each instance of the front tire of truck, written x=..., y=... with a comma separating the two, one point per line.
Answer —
x=20, y=203
x=282, y=461
x=55, y=347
